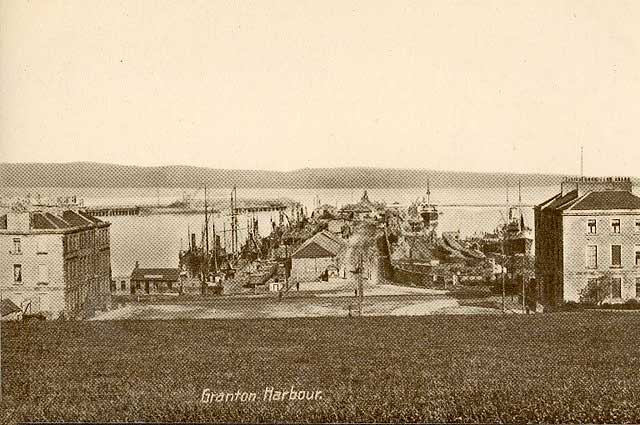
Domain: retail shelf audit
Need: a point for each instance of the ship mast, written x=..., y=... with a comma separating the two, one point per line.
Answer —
x=215, y=245
x=520, y=218
x=206, y=234
x=234, y=222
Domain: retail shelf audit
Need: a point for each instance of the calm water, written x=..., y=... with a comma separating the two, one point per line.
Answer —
x=155, y=240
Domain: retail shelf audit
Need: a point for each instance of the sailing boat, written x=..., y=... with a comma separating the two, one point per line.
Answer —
x=428, y=211
x=518, y=236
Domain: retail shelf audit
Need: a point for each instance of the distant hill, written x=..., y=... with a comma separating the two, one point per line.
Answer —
x=88, y=174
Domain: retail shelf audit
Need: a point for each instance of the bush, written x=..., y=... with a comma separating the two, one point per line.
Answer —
x=572, y=306
x=631, y=304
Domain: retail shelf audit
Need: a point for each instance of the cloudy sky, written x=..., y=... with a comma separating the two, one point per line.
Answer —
x=471, y=85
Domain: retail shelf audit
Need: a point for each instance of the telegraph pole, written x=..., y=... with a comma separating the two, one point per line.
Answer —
x=360, y=285
x=0, y=348
x=525, y=258
x=215, y=246
x=504, y=258
x=523, y=293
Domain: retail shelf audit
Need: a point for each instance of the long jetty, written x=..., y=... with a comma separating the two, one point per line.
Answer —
x=104, y=211
x=121, y=210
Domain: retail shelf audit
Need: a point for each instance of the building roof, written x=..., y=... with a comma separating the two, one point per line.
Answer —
x=313, y=250
x=40, y=221
x=608, y=200
x=56, y=220
x=75, y=219
x=320, y=245
x=602, y=200
x=7, y=307
x=365, y=205
x=160, y=274
x=561, y=202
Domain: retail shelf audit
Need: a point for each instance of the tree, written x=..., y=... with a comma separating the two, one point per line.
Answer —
x=597, y=289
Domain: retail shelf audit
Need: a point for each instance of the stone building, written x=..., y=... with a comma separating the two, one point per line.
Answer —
x=54, y=261
x=591, y=229
x=146, y=281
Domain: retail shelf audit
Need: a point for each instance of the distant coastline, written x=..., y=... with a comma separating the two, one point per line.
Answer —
x=88, y=174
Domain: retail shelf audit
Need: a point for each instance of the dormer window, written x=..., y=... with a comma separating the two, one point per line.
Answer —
x=592, y=225
x=615, y=225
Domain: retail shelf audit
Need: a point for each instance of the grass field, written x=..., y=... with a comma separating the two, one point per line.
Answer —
x=567, y=367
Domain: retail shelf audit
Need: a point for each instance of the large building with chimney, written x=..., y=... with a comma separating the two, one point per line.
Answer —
x=591, y=229
x=54, y=261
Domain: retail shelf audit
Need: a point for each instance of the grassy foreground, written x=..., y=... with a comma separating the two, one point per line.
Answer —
x=564, y=367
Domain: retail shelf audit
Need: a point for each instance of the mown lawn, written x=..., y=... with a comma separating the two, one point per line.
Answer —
x=566, y=367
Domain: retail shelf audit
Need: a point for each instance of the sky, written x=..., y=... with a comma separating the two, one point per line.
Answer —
x=514, y=86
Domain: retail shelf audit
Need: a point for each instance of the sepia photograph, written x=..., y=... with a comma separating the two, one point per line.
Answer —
x=336, y=212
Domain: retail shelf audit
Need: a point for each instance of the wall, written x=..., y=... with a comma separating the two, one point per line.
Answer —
x=549, y=255
x=37, y=249
x=87, y=271
x=407, y=276
x=575, y=240
x=310, y=269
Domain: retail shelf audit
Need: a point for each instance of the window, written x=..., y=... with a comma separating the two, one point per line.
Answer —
x=615, y=225
x=592, y=225
x=637, y=254
x=43, y=273
x=637, y=287
x=592, y=256
x=17, y=246
x=17, y=274
x=637, y=225
x=616, y=260
x=123, y=285
x=616, y=287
